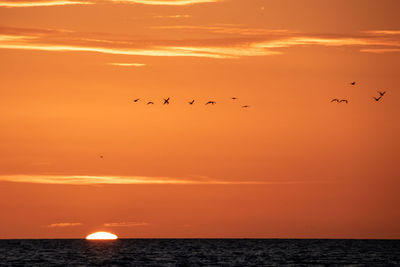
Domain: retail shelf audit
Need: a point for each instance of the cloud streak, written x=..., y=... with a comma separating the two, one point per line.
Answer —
x=128, y=64
x=224, y=29
x=384, y=32
x=12, y=4
x=63, y=224
x=231, y=42
x=172, y=16
x=49, y=3
x=166, y=2
x=138, y=180
x=381, y=50
x=125, y=224
x=134, y=48
x=93, y=180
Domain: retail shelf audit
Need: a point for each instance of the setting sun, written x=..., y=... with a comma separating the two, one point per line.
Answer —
x=101, y=236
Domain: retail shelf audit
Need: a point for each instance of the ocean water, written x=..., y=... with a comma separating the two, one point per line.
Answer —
x=200, y=252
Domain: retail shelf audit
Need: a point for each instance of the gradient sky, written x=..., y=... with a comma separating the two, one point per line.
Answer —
x=293, y=165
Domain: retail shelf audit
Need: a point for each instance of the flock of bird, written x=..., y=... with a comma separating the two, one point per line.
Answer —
x=337, y=100
x=381, y=94
x=166, y=102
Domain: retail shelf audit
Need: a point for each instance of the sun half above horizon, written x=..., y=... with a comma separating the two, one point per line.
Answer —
x=101, y=236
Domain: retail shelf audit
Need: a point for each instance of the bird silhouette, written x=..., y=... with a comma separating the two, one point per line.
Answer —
x=234, y=98
x=191, y=102
x=340, y=100
x=166, y=101
x=377, y=99
x=382, y=93
x=210, y=102
x=136, y=100
x=150, y=103
x=353, y=83
x=101, y=156
x=245, y=106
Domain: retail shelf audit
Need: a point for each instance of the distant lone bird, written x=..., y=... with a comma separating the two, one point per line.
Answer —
x=335, y=100
x=136, y=100
x=150, y=103
x=234, y=98
x=353, y=83
x=166, y=101
x=101, y=156
x=245, y=106
x=377, y=99
x=191, y=102
x=210, y=102
x=382, y=93
x=344, y=100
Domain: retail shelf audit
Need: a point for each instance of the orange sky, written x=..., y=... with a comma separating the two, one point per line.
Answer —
x=293, y=165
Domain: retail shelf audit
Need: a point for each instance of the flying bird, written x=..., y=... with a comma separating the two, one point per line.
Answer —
x=191, y=102
x=353, y=83
x=150, y=103
x=340, y=100
x=210, y=102
x=136, y=100
x=166, y=101
x=101, y=156
x=234, y=98
x=245, y=106
x=377, y=99
x=382, y=93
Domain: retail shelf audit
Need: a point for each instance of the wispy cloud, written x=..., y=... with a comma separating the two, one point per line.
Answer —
x=143, y=180
x=224, y=29
x=125, y=224
x=63, y=41
x=49, y=3
x=92, y=180
x=381, y=50
x=63, y=224
x=41, y=3
x=230, y=42
x=172, y=16
x=128, y=64
x=384, y=32
x=13, y=38
x=156, y=51
x=166, y=2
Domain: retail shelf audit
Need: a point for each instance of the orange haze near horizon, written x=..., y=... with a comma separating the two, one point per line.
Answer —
x=77, y=155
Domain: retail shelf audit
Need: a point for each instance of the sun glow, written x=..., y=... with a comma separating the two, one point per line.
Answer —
x=101, y=236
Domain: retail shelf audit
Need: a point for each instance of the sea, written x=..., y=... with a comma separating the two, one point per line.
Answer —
x=199, y=252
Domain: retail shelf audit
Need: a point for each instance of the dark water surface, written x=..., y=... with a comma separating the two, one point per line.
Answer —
x=200, y=252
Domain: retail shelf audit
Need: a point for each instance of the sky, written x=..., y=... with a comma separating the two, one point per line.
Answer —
x=78, y=155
